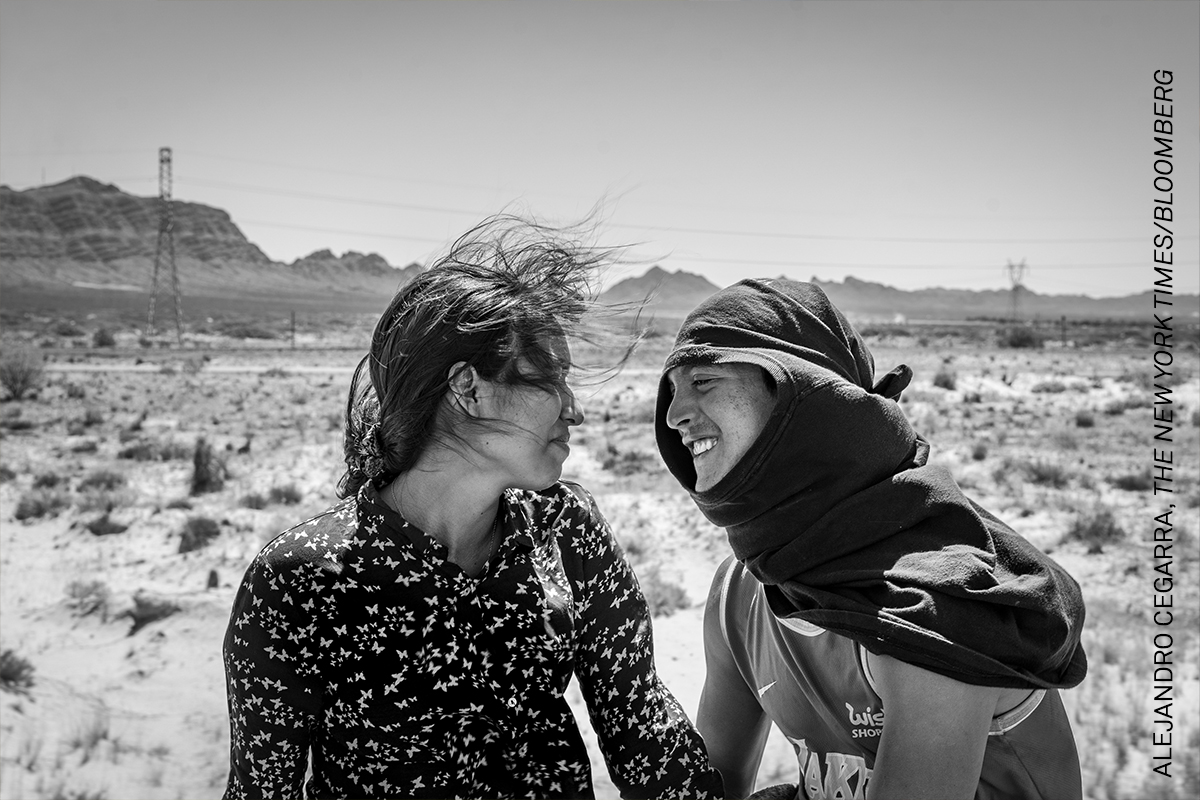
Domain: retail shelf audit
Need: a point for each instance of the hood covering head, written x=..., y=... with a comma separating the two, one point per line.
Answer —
x=835, y=509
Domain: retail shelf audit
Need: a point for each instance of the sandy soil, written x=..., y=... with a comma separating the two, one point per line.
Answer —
x=118, y=714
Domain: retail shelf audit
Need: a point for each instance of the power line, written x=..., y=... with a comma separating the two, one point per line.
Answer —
x=673, y=228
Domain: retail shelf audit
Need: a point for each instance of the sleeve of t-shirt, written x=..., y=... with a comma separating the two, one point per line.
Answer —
x=649, y=744
x=273, y=694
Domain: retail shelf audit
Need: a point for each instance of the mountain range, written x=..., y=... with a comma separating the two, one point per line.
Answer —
x=82, y=235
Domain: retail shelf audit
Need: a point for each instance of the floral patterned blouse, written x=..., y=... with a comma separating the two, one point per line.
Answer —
x=354, y=638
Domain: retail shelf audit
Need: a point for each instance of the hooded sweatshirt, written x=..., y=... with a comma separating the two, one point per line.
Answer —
x=835, y=509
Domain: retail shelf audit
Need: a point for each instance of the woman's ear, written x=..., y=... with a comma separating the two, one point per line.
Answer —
x=464, y=388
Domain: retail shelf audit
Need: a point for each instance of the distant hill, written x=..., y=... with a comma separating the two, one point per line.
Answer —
x=674, y=294
x=82, y=237
x=82, y=234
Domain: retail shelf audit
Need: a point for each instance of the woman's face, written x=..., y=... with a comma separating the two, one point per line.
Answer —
x=532, y=441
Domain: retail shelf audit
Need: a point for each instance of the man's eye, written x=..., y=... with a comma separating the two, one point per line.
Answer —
x=700, y=382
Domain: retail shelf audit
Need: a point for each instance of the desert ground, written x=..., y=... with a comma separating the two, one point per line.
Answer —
x=119, y=562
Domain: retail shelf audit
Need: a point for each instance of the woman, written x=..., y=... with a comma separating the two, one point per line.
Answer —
x=418, y=637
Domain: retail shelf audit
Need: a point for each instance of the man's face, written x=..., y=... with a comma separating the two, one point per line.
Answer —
x=719, y=411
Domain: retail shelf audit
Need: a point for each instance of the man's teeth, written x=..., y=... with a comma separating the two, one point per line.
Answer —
x=703, y=446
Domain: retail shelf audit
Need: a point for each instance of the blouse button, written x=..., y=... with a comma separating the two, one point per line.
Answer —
x=512, y=702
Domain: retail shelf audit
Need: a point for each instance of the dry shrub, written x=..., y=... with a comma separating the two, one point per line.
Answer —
x=1096, y=529
x=103, y=337
x=1135, y=481
x=1085, y=419
x=979, y=451
x=103, y=480
x=147, y=609
x=1121, y=405
x=21, y=371
x=1047, y=473
x=663, y=597
x=41, y=503
x=208, y=470
x=150, y=450
x=287, y=495
x=255, y=500
x=945, y=379
x=1020, y=338
x=1049, y=387
x=89, y=597
x=630, y=462
x=197, y=533
x=16, y=673
x=104, y=526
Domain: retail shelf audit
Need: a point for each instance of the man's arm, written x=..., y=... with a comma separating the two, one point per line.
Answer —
x=934, y=733
x=730, y=718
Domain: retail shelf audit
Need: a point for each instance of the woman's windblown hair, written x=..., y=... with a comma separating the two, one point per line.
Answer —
x=499, y=295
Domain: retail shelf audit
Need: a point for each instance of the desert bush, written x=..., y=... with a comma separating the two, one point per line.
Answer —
x=208, y=470
x=979, y=451
x=17, y=423
x=287, y=495
x=180, y=503
x=104, y=526
x=1134, y=481
x=945, y=379
x=197, y=533
x=89, y=597
x=255, y=500
x=16, y=673
x=1123, y=404
x=245, y=330
x=146, y=450
x=75, y=391
x=104, y=480
x=147, y=609
x=41, y=503
x=47, y=480
x=1020, y=337
x=275, y=372
x=1049, y=387
x=1085, y=419
x=68, y=328
x=6, y=474
x=103, y=337
x=21, y=371
x=1096, y=529
x=630, y=462
x=1047, y=473
x=664, y=597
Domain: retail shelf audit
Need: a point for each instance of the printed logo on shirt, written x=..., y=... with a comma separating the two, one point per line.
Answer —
x=842, y=777
x=870, y=720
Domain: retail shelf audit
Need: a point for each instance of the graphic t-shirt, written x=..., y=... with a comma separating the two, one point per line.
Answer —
x=816, y=687
x=354, y=639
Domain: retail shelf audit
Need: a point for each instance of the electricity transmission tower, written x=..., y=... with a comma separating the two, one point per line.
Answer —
x=164, y=251
x=1015, y=273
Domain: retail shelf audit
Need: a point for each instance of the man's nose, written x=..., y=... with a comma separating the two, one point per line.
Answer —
x=679, y=412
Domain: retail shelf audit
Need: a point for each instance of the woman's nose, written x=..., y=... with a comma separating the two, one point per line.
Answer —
x=572, y=411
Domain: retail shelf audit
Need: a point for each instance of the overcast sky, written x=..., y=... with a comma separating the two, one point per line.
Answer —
x=912, y=144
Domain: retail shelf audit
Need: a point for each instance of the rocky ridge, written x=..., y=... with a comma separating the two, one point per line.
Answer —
x=85, y=233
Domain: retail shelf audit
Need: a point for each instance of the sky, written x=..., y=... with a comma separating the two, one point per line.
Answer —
x=911, y=144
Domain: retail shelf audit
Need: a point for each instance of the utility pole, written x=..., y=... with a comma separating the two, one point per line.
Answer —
x=164, y=250
x=1016, y=272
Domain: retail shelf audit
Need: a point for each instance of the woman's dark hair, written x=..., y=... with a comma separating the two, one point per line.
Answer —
x=500, y=294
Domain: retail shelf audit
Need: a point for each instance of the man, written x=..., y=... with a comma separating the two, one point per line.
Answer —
x=908, y=643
